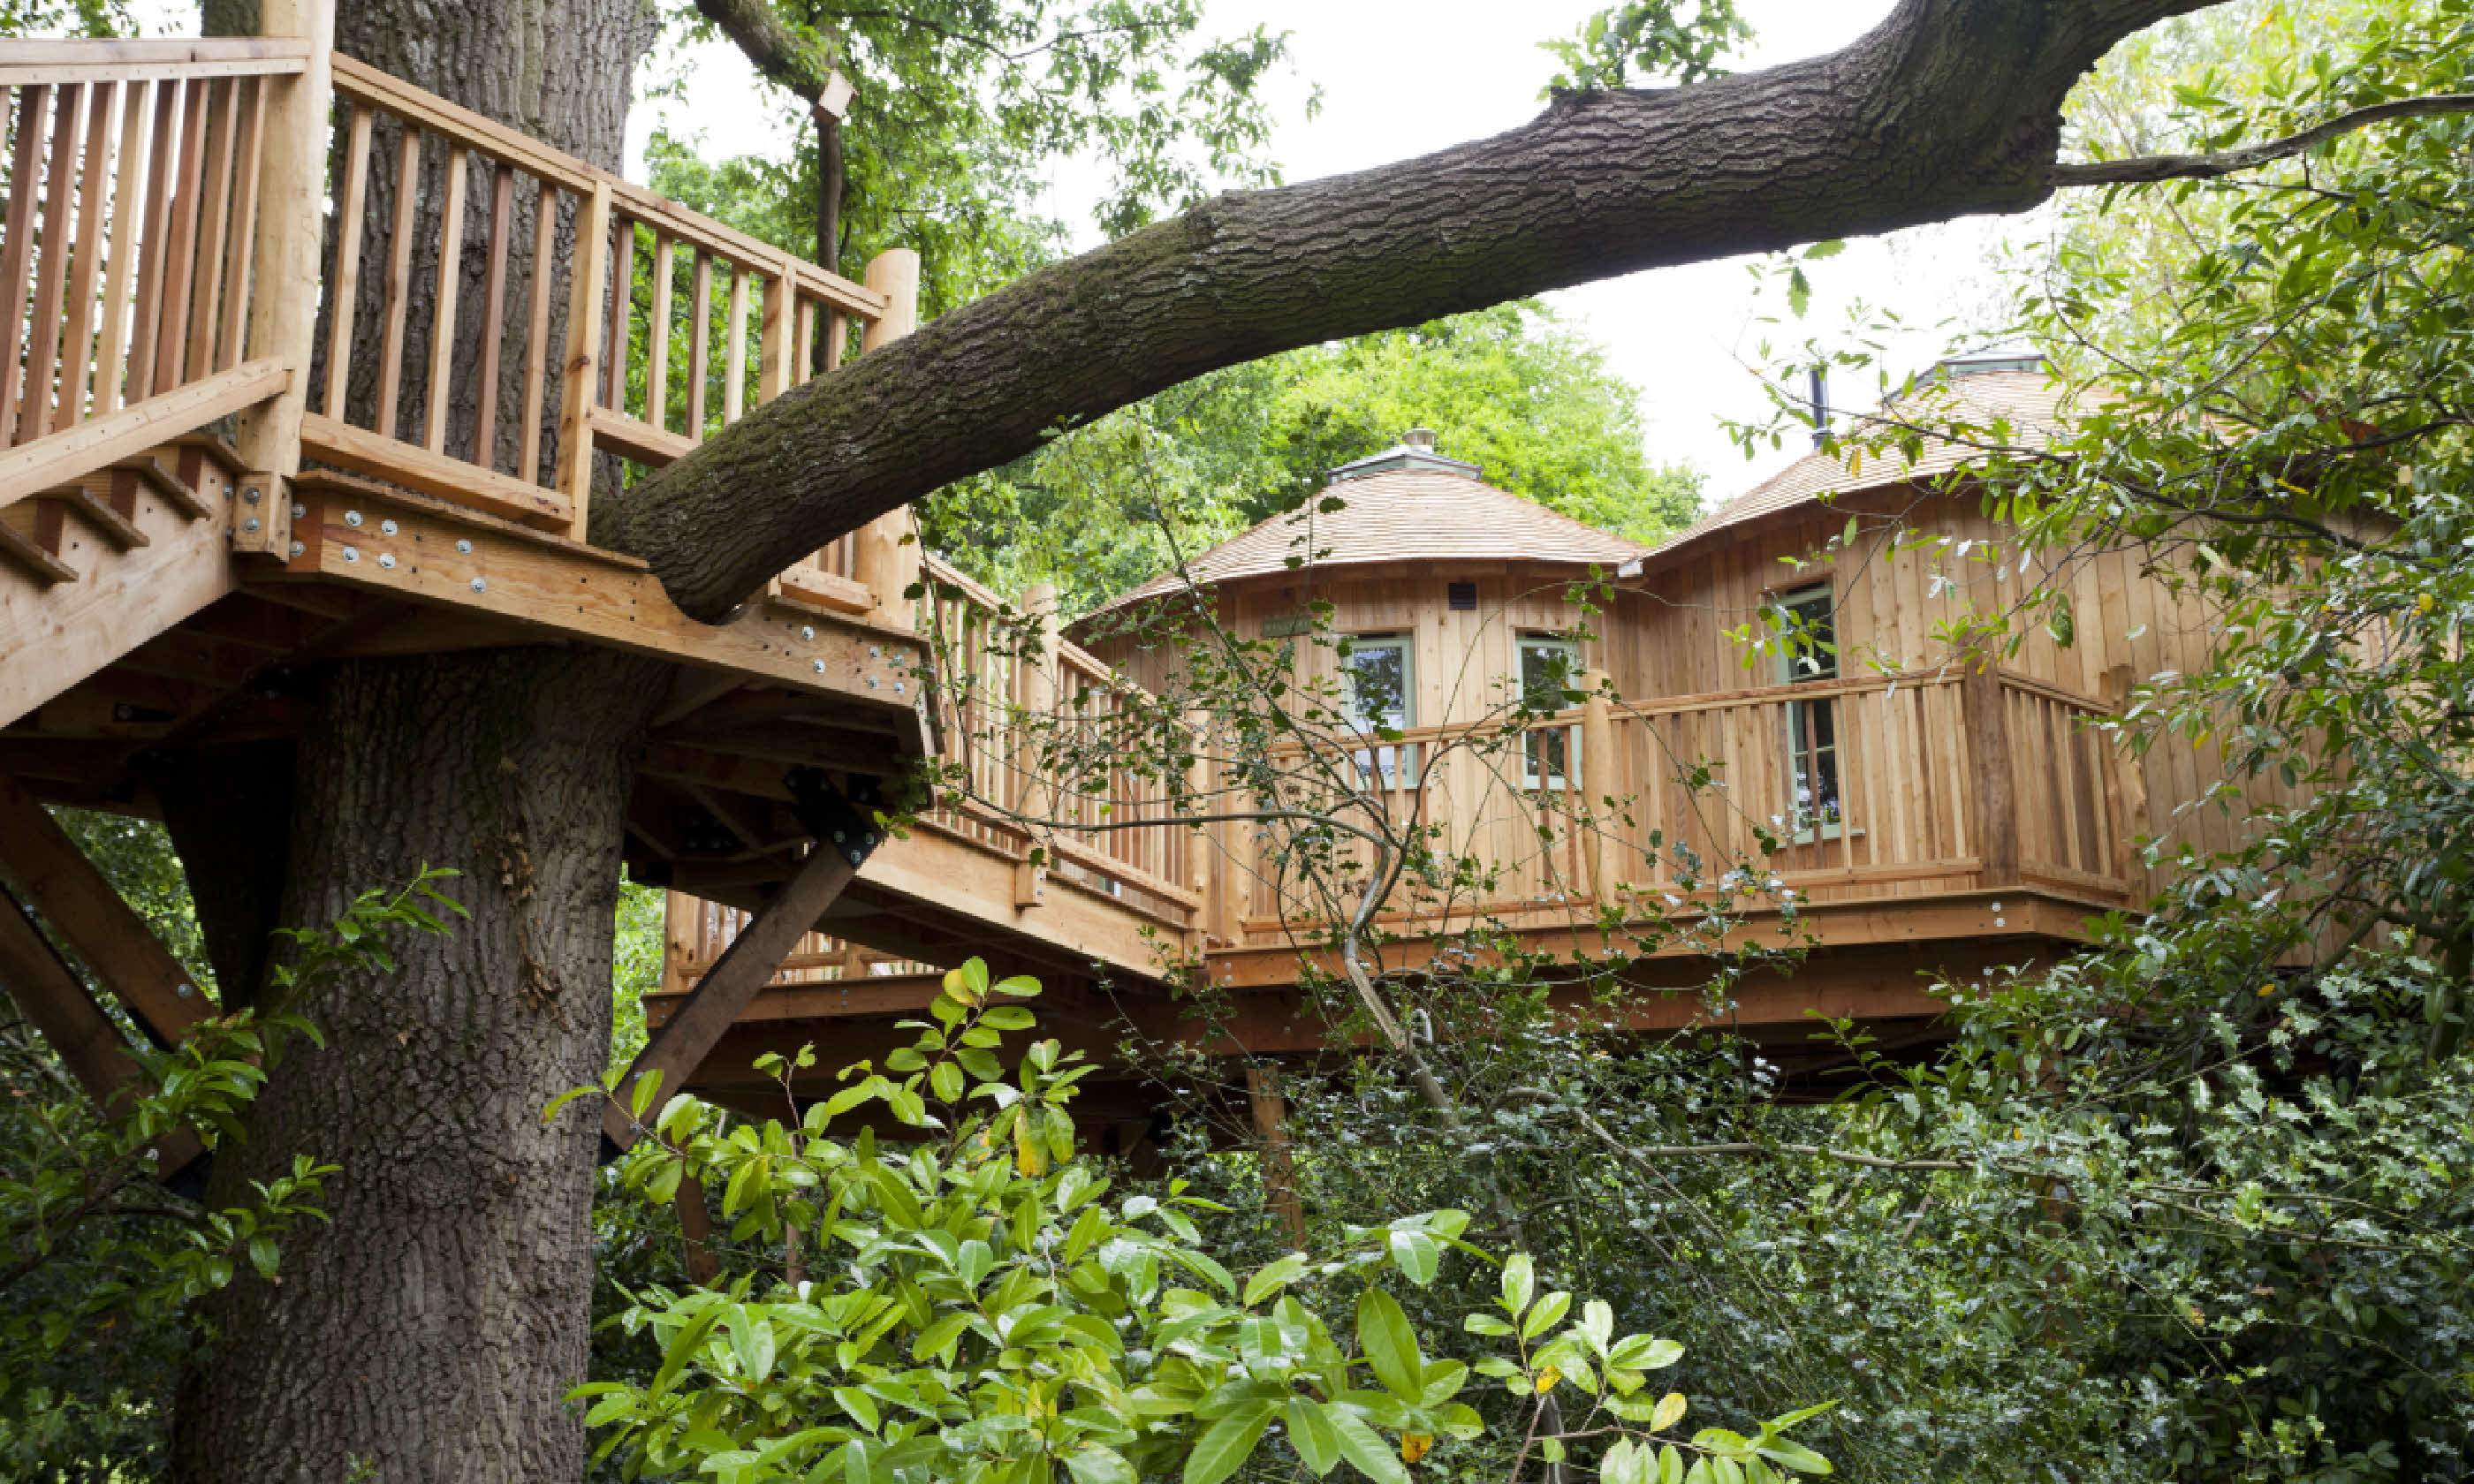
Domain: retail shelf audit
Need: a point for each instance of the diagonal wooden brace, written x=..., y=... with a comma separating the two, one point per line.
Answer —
x=745, y=968
x=54, y=876
x=76, y=1027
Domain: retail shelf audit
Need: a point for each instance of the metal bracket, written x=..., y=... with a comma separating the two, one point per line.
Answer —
x=846, y=823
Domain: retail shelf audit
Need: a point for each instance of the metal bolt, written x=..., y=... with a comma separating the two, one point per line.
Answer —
x=253, y=494
x=351, y=554
x=250, y=524
x=464, y=548
x=299, y=550
x=897, y=687
x=386, y=560
x=388, y=526
x=300, y=511
x=871, y=683
x=186, y=990
x=876, y=652
x=807, y=631
x=480, y=586
x=819, y=666
x=837, y=837
x=352, y=517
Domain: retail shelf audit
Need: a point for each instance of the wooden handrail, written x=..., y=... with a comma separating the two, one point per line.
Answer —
x=25, y=63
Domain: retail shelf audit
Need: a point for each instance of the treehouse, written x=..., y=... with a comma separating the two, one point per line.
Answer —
x=311, y=365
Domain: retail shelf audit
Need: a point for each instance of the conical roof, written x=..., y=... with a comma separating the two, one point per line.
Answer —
x=1405, y=504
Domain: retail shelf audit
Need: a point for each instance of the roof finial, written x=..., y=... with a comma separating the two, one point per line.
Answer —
x=1418, y=438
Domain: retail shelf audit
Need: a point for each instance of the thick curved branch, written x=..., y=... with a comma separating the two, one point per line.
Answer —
x=2147, y=168
x=1949, y=107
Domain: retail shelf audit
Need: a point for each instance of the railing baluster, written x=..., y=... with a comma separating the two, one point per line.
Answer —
x=351, y=206
x=493, y=316
x=699, y=337
x=803, y=354
x=528, y=445
x=59, y=189
x=590, y=277
x=773, y=333
x=398, y=285
x=215, y=193
x=16, y=259
x=623, y=305
x=243, y=250
x=451, y=280
x=657, y=335
x=112, y=360
x=94, y=197
x=180, y=238
x=733, y=385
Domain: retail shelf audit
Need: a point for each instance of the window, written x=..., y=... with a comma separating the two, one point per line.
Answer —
x=1550, y=665
x=1376, y=680
x=1806, y=622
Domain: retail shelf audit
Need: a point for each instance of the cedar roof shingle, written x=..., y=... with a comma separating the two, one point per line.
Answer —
x=1415, y=514
x=2029, y=400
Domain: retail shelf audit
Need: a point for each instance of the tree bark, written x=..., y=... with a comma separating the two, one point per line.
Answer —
x=1949, y=107
x=430, y=1329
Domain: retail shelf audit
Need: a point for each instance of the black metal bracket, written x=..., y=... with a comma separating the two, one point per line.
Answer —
x=845, y=823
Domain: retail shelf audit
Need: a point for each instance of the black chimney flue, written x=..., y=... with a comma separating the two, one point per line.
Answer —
x=1820, y=406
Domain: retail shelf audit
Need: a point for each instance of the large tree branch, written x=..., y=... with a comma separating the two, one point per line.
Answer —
x=2145, y=168
x=1949, y=108
x=786, y=58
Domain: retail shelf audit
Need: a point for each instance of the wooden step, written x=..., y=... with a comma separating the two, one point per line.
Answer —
x=22, y=550
x=117, y=528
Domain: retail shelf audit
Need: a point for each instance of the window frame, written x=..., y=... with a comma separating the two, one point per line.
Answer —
x=1383, y=760
x=1558, y=774
x=1805, y=755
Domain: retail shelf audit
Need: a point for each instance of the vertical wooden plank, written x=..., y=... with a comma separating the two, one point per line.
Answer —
x=1035, y=696
x=51, y=281
x=734, y=381
x=284, y=298
x=17, y=255
x=77, y=345
x=528, y=450
x=773, y=334
x=836, y=338
x=214, y=226
x=494, y=315
x=127, y=214
x=408, y=196
x=1280, y=1168
x=155, y=317
x=591, y=276
x=699, y=336
x=623, y=306
x=351, y=206
x=451, y=280
x=879, y=558
x=657, y=334
x=242, y=252
x=803, y=356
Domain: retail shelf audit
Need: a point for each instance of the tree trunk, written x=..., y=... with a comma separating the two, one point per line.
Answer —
x=1949, y=108
x=429, y=1331
x=431, y=1328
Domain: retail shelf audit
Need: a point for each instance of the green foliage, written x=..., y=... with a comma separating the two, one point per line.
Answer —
x=963, y=105
x=1652, y=39
x=97, y=1260
x=993, y=1318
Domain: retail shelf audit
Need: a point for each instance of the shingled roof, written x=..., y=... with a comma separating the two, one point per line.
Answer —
x=1405, y=504
x=2031, y=400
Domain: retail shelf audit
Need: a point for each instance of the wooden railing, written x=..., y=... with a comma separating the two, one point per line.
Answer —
x=128, y=243
x=697, y=931
x=1883, y=788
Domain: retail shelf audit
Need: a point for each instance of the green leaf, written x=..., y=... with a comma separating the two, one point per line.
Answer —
x=1093, y=1464
x=946, y=1082
x=1519, y=1282
x=682, y=1350
x=751, y=1339
x=1549, y=1310
x=1312, y=1434
x=1274, y=1277
x=1225, y=1444
x=1795, y=1455
x=1417, y=1254
x=1362, y=1447
x=1390, y=1344
x=1643, y=1353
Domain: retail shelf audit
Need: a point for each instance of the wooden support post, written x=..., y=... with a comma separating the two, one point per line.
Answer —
x=2125, y=785
x=55, y=877
x=1596, y=784
x=882, y=561
x=590, y=266
x=75, y=1026
x=1995, y=790
x=1280, y=1163
x=284, y=298
x=778, y=309
x=745, y=968
x=1034, y=696
x=696, y=1224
